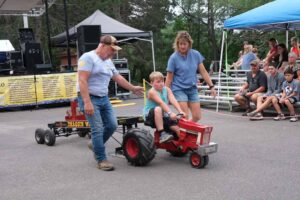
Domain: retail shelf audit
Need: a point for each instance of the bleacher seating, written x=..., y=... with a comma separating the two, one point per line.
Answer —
x=230, y=83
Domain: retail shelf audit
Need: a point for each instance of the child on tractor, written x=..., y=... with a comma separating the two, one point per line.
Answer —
x=157, y=113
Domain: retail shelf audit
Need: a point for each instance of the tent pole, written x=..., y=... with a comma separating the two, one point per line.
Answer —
x=68, y=36
x=48, y=31
x=287, y=38
x=153, y=55
x=25, y=20
x=220, y=67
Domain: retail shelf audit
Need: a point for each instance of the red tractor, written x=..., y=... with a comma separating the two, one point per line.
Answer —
x=139, y=146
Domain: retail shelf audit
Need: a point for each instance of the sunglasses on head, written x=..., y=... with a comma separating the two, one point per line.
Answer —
x=110, y=43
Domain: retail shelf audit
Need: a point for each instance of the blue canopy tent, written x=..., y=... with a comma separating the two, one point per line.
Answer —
x=277, y=15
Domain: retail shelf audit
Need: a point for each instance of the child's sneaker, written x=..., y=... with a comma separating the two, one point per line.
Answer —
x=165, y=137
x=293, y=118
x=251, y=114
x=257, y=116
x=280, y=116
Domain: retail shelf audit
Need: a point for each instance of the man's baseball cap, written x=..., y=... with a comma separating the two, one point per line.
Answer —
x=254, y=62
x=111, y=41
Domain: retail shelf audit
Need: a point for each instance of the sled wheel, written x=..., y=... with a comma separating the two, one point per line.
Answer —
x=50, y=137
x=81, y=133
x=206, y=160
x=178, y=153
x=196, y=160
x=40, y=136
x=138, y=147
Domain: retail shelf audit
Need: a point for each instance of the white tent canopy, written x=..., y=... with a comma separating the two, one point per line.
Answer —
x=6, y=46
x=23, y=7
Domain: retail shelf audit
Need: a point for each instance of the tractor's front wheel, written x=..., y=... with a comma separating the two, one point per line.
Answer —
x=138, y=146
x=196, y=160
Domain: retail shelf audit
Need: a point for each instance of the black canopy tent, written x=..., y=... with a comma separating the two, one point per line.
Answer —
x=109, y=26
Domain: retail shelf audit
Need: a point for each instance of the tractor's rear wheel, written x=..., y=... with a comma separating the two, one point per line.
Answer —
x=196, y=160
x=138, y=146
x=40, y=136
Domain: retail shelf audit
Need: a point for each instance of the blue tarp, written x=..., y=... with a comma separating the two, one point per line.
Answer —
x=276, y=15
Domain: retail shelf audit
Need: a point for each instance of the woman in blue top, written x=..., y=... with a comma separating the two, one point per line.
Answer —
x=182, y=70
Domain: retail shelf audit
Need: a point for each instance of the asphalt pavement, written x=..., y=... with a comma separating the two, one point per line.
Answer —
x=255, y=160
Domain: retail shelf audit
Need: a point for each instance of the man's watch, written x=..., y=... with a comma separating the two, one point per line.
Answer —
x=212, y=86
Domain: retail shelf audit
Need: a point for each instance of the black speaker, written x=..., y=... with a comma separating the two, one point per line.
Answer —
x=88, y=38
x=26, y=35
x=86, y=47
x=16, y=62
x=89, y=33
x=16, y=59
x=32, y=55
x=120, y=63
x=112, y=88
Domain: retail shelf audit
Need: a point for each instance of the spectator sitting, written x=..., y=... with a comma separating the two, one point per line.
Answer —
x=283, y=55
x=236, y=65
x=255, y=85
x=247, y=57
x=245, y=43
x=298, y=76
x=295, y=46
x=288, y=97
x=291, y=64
x=275, y=81
x=272, y=55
